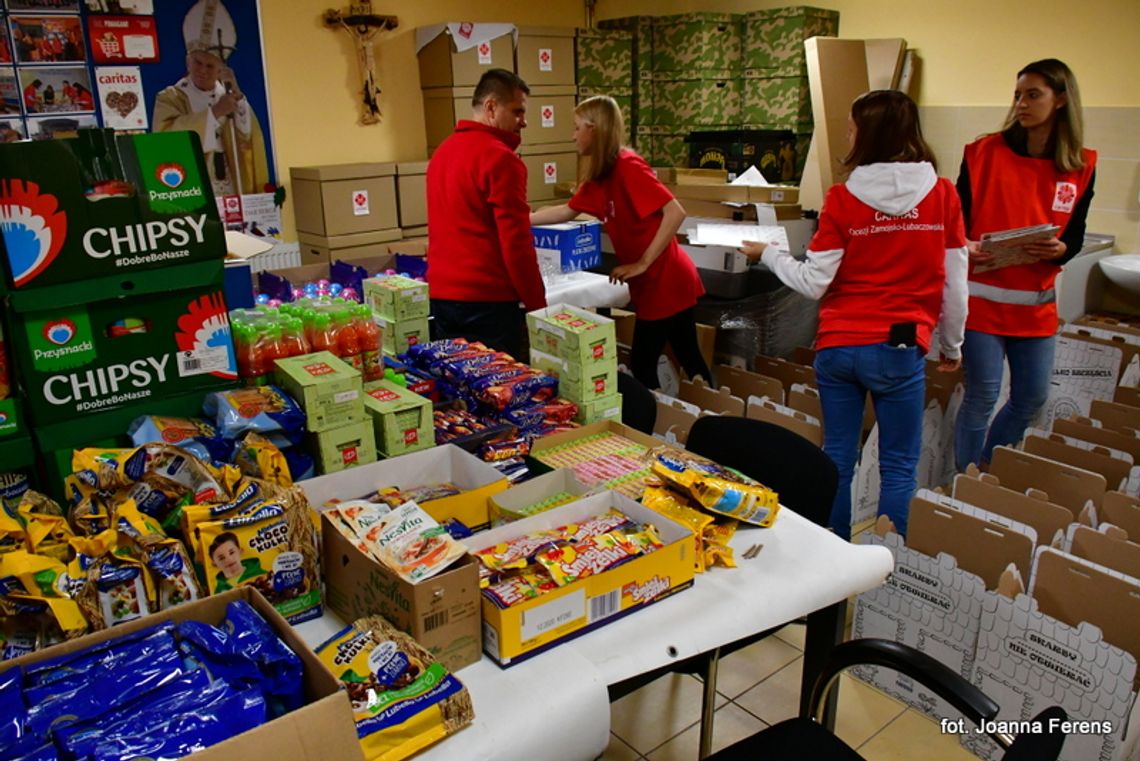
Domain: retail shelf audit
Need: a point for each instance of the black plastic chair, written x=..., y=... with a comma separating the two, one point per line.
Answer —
x=638, y=404
x=805, y=738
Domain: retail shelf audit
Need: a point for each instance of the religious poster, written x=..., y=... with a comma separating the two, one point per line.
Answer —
x=56, y=90
x=121, y=97
x=121, y=7
x=123, y=39
x=48, y=39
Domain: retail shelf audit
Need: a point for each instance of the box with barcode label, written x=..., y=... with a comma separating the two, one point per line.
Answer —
x=104, y=355
x=572, y=334
x=329, y=389
x=513, y=634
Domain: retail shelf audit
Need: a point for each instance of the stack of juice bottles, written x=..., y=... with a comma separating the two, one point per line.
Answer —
x=343, y=328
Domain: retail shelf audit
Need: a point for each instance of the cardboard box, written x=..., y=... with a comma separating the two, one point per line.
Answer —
x=773, y=38
x=400, y=334
x=397, y=298
x=573, y=245
x=519, y=501
x=76, y=360
x=346, y=446
x=675, y=419
x=414, y=232
x=785, y=417
x=323, y=250
x=326, y=387
x=512, y=635
x=447, y=463
x=341, y=199
x=686, y=41
x=577, y=383
x=158, y=230
x=548, y=164
x=416, y=246
x=1066, y=485
x=605, y=58
x=545, y=55
x=290, y=736
x=443, y=107
x=402, y=419
x=671, y=175
x=550, y=114
x=411, y=193
x=572, y=334
x=597, y=410
x=441, y=613
x=442, y=65
x=744, y=384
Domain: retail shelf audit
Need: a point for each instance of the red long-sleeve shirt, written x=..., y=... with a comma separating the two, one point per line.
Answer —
x=480, y=246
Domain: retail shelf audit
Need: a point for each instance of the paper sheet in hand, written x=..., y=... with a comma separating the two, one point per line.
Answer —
x=735, y=235
x=1006, y=246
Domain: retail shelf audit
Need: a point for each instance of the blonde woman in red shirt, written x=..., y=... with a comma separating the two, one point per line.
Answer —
x=889, y=258
x=641, y=217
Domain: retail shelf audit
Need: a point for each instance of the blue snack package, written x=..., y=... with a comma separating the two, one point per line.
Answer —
x=45, y=752
x=73, y=665
x=457, y=528
x=301, y=464
x=262, y=409
x=198, y=437
x=282, y=669
x=13, y=710
x=214, y=650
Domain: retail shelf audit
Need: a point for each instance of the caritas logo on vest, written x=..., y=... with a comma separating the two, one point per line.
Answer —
x=1065, y=197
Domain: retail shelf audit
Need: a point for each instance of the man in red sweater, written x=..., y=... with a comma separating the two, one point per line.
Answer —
x=481, y=258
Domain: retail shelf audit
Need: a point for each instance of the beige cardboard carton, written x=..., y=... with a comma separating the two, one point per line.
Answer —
x=720, y=401
x=1123, y=511
x=744, y=384
x=323, y=249
x=1066, y=485
x=442, y=65
x=411, y=192
x=785, y=417
x=344, y=198
x=545, y=55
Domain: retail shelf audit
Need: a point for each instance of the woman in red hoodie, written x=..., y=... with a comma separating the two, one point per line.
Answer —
x=889, y=257
x=641, y=217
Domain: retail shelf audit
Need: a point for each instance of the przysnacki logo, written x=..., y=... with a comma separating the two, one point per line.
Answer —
x=61, y=342
x=170, y=175
x=59, y=332
x=206, y=326
x=33, y=226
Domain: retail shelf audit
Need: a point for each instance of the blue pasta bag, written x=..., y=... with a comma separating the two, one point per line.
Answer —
x=282, y=670
x=144, y=643
x=198, y=437
x=262, y=409
x=13, y=711
x=45, y=752
x=213, y=649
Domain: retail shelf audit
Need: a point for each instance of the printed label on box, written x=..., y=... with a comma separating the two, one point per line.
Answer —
x=550, y=172
x=553, y=614
x=545, y=60
x=345, y=396
x=318, y=369
x=484, y=53
x=360, y=203
x=204, y=360
x=348, y=454
x=412, y=436
x=383, y=394
x=547, y=116
x=229, y=207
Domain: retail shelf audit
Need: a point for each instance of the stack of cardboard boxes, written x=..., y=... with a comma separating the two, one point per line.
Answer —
x=580, y=349
x=344, y=211
x=400, y=306
x=605, y=67
x=402, y=419
x=113, y=277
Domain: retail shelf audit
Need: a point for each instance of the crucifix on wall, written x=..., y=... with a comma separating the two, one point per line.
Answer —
x=364, y=26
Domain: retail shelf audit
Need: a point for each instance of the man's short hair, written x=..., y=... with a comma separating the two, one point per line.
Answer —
x=499, y=84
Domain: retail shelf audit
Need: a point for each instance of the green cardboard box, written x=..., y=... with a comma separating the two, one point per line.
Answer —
x=579, y=384
x=99, y=216
x=689, y=41
x=76, y=360
x=604, y=57
x=11, y=421
x=774, y=38
x=402, y=419
x=769, y=102
x=606, y=408
x=400, y=334
x=326, y=387
x=711, y=96
x=397, y=298
x=343, y=447
x=572, y=334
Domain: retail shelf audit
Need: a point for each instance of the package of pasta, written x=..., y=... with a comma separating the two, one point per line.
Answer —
x=257, y=457
x=414, y=545
x=37, y=582
x=117, y=587
x=402, y=699
x=197, y=436
x=748, y=502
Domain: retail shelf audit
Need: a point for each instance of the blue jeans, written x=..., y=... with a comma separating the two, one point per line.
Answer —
x=896, y=379
x=1030, y=372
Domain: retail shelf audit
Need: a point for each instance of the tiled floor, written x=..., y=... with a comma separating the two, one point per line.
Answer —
x=758, y=686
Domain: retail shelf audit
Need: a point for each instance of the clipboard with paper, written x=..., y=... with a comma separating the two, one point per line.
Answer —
x=1007, y=246
x=735, y=235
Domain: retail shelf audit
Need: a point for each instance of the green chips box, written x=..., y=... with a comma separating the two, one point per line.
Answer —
x=402, y=419
x=572, y=334
x=96, y=215
x=11, y=422
x=327, y=388
x=400, y=334
x=396, y=297
x=343, y=447
x=579, y=384
x=75, y=360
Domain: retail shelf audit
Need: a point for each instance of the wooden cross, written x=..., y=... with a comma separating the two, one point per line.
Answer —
x=364, y=25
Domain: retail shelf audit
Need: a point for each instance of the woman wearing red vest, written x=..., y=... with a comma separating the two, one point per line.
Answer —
x=889, y=258
x=641, y=217
x=1035, y=171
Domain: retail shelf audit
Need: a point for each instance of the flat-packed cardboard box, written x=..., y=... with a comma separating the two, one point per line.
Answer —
x=741, y=211
x=744, y=383
x=397, y=298
x=550, y=114
x=400, y=334
x=672, y=175
x=402, y=419
x=545, y=55
x=324, y=250
x=511, y=635
x=443, y=65
x=447, y=463
x=1066, y=485
x=764, y=194
x=573, y=334
x=443, y=107
x=537, y=495
x=327, y=388
x=290, y=736
x=720, y=400
x=346, y=446
x=441, y=612
x=597, y=410
x=341, y=199
x=411, y=192
x=577, y=383
x=548, y=164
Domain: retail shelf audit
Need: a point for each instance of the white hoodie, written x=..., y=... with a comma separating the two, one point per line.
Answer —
x=893, y=188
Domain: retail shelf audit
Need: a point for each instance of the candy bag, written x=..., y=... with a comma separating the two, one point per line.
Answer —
x=198, y=437
x=257, y=457
x=262, y=409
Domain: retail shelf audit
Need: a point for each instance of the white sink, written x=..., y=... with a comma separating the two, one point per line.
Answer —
x=1123, y=269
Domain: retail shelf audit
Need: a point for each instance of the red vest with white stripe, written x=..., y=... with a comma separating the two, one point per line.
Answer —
x=1009, y=191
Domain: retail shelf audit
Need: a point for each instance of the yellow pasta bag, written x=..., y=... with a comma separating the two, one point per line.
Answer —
x=676, y=507
x=45, y=580
x=257, y=457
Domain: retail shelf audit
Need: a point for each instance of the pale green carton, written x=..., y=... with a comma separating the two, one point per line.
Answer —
x=769, y=102
x=400, y=334
x=579, y=384
x=691, y=41
x=606, y=408
x=401, y=419
x=773, y=39
x=604, y=57
x=697, y=99
x=343, y=447
x=326, y=387
x=572, y=334
x=395, y=297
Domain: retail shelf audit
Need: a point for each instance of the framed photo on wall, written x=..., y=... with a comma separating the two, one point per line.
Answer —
x=56, y=90
x=120, y=7
x=38, y=6
x=48, y=39
x=48, y=127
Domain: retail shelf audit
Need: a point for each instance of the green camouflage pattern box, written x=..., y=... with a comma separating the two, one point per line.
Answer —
x=343, y=447
x=573, y=334
x=329, y=389
x=605, y=408
x=402, y=419
x=76, y=360
x=579, y=384
x=776, y=102
x=396, y=297
x=695, y=100
x=641, y=27
x=624, y=98
x=99, y=216
x=400, y=334
x=11, y=418
x=604, y=57
x=774, y=39
x=691, y=41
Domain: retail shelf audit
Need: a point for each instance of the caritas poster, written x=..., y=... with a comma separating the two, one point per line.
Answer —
x=121, y=97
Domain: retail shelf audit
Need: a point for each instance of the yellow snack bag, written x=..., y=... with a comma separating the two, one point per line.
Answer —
x=675, y=507
x=12, y=534
x=716, y=549
x=714, y=489
x=117, y=587
x=259, y=458
x=47, y=530
x=165, y=558
x=44, y=580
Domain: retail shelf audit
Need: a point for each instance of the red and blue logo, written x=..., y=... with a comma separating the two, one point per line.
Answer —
x=205, y=327
x=171, y=175
x=33, y=227
x=3, y=417
x=59, y=332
